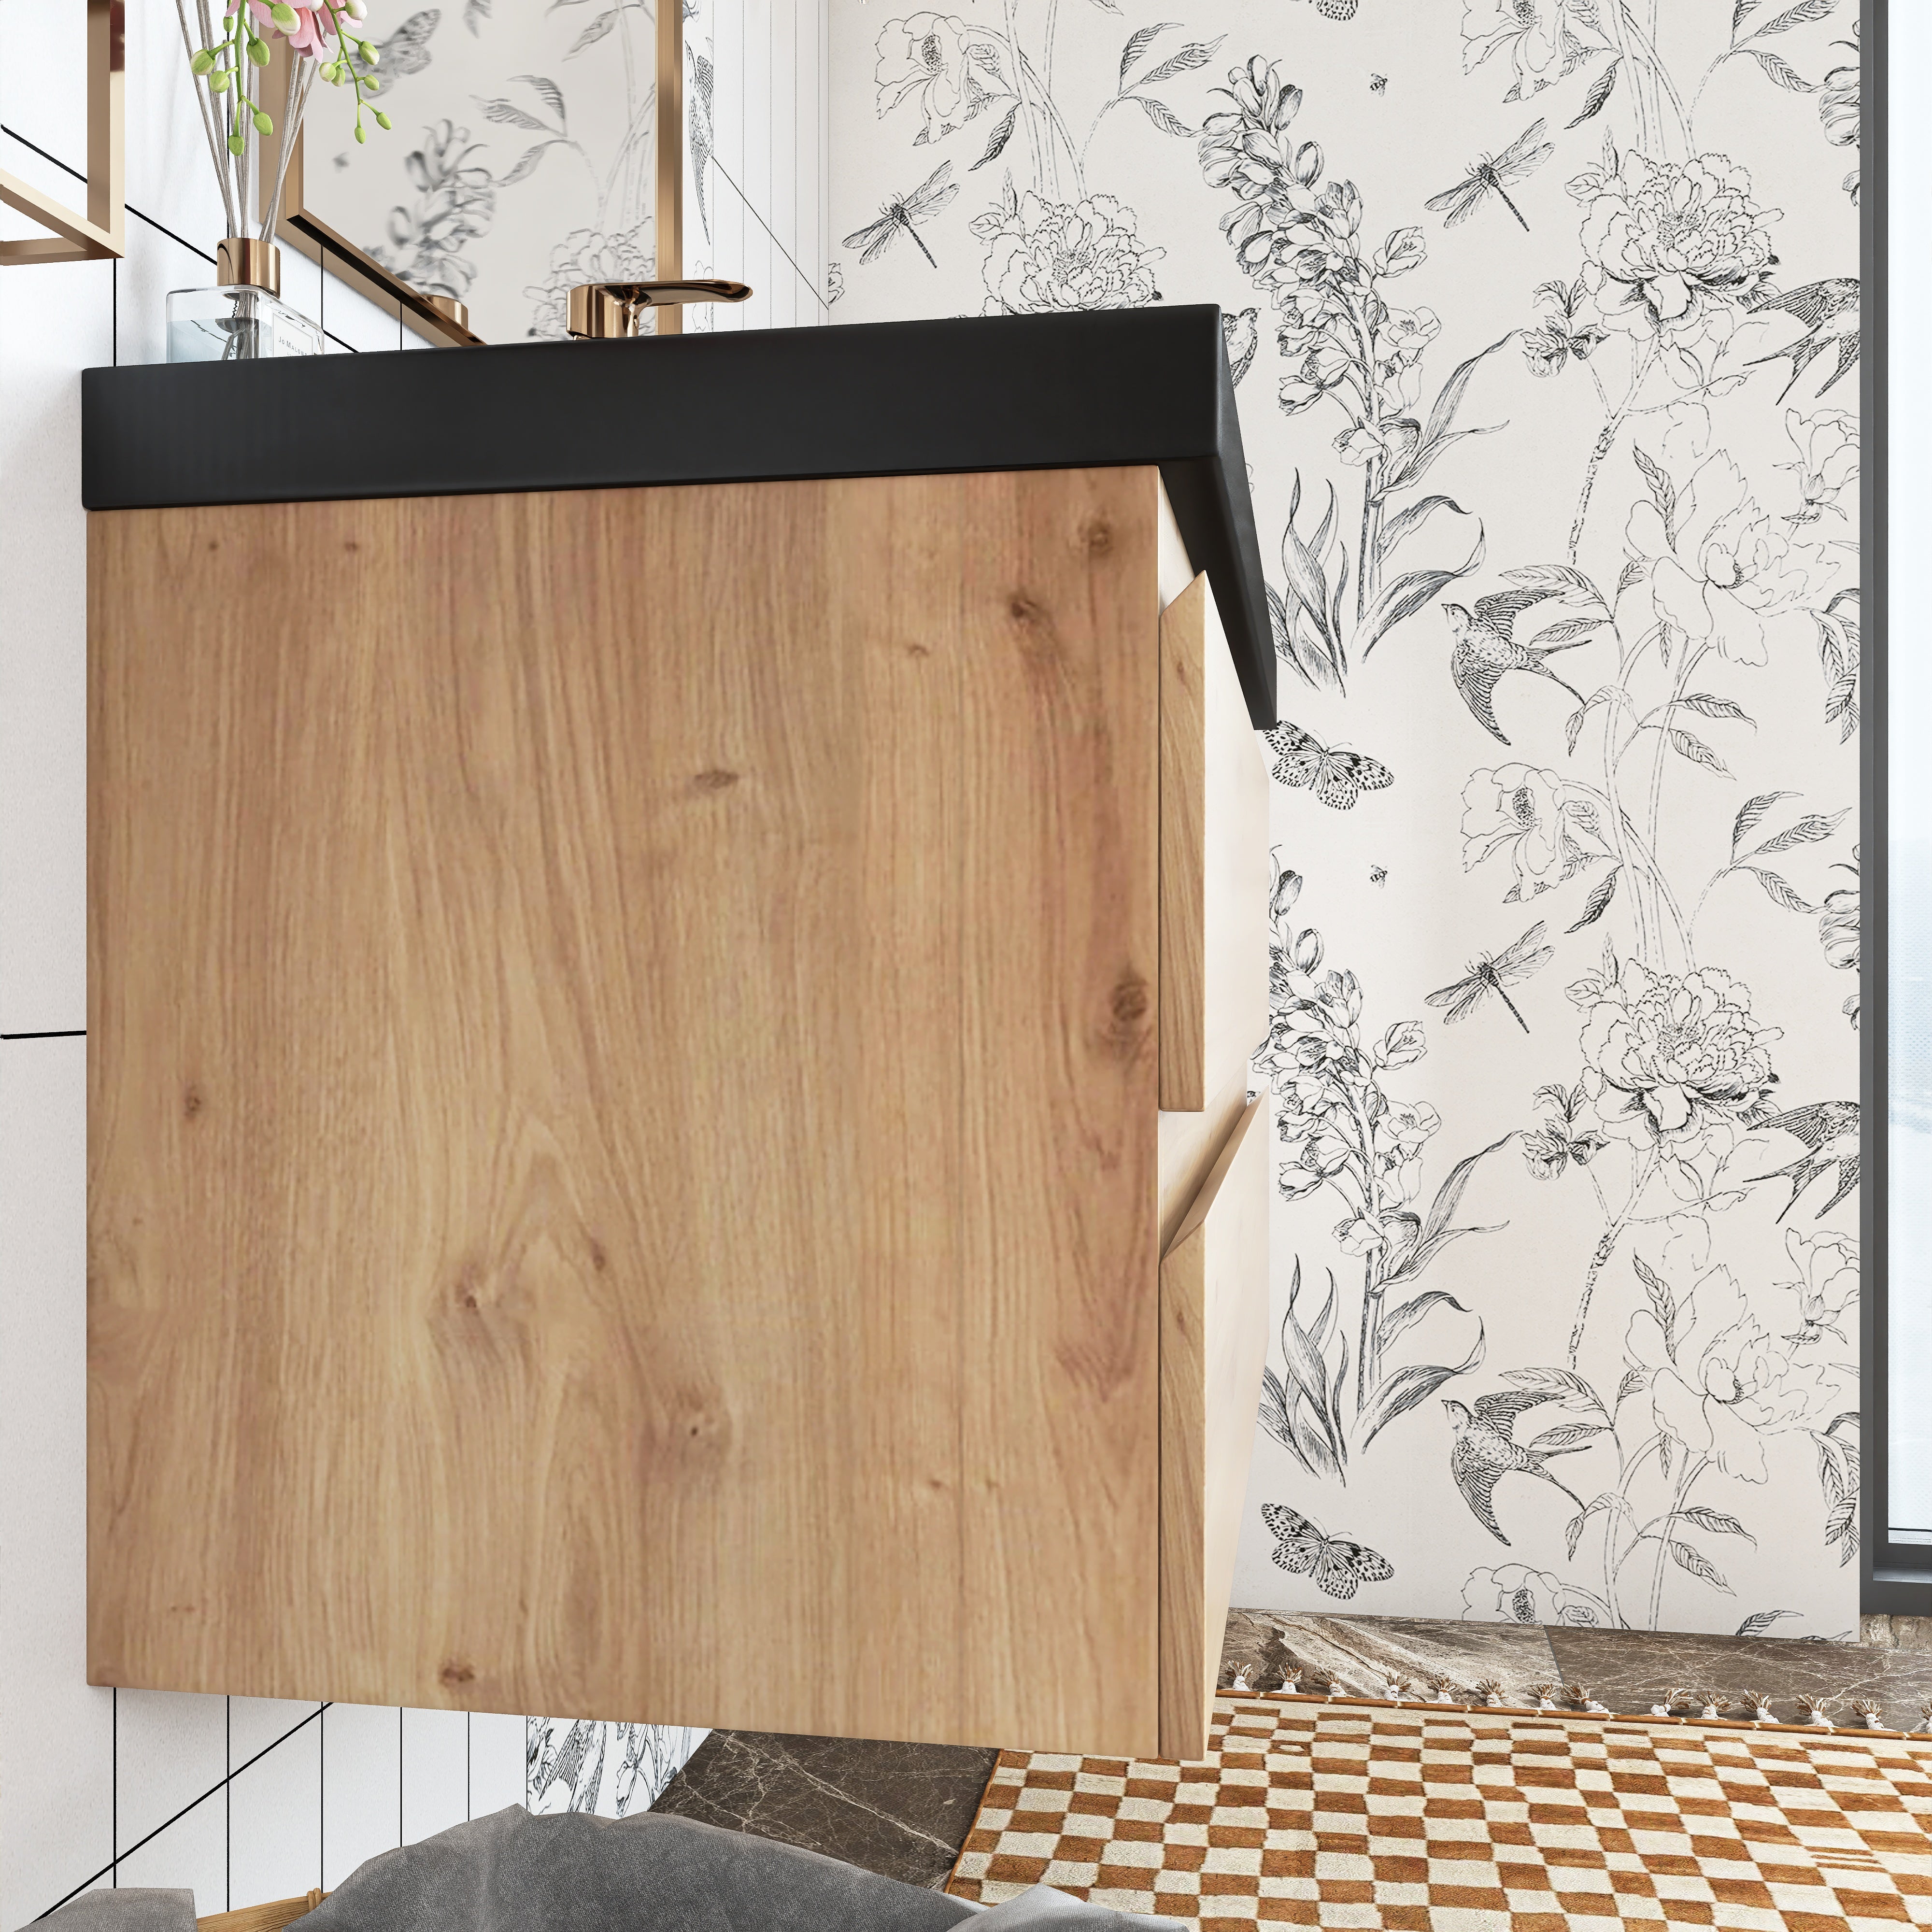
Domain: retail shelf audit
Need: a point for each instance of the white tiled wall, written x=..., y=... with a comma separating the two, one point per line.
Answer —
x=241, y=1799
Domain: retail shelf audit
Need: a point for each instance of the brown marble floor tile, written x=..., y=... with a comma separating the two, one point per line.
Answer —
x=902, y=1811
x=1630, y=1670
x=1364, y=1653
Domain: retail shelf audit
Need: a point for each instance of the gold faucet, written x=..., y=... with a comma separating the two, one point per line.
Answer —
x=600, y=311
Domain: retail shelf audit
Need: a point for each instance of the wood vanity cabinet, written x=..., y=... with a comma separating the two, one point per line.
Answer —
x=669, y=1136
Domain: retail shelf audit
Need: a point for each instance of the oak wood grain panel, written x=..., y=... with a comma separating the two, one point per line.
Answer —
x=269, y=1917
x=1214, y=1311
x=1214, y=859
x=621, y=1132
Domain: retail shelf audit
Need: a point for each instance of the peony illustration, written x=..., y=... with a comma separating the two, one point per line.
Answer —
x=1515, y=1593
x=1045, y=256
x=1673, y=250
x=924, y=57
x=589, y=255
x=1550, y=829
x=1720, y=1381
x=1828, y=461
x=1719, y=565
x=1541, y=38
x=1827, y=1286
x=1671, y=1057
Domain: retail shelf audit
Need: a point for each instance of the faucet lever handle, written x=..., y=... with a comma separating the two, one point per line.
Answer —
x=600, y=311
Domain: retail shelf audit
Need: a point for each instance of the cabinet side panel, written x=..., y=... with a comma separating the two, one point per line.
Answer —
x=621, y=1166
x=1184, y=781
x=1214, y=1300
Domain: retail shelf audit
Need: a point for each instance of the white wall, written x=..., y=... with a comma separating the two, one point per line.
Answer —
x=241, y=1799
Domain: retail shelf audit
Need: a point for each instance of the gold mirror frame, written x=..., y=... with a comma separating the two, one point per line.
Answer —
x=101, y=235
x=303, y=230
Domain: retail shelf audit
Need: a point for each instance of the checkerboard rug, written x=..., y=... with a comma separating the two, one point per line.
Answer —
x=1442, y=1819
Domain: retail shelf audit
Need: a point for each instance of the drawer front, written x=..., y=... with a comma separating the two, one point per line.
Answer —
x=1214, y=1340
x=1214, y=861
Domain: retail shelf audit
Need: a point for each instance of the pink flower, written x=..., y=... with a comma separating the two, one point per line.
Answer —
x=314, y=25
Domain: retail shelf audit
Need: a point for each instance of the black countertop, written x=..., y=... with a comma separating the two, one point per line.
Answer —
x=1147, y=386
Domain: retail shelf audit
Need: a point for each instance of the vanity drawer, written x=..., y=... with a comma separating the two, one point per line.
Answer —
x=1214, y=1340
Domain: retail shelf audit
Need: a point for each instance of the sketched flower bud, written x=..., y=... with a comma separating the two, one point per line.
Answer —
x=1307, y=951
x=1402, y=1044
x=1308, y=161
x=1287, y=890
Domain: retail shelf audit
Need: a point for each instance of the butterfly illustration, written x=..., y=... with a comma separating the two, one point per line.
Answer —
x=406, y=51
x=1339, y=778
x=1303, y=1548
x=1491, y=974
x=897, y=216
x=1521, y=158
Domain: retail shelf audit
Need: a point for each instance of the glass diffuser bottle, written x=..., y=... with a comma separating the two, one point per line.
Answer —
x=243, y=318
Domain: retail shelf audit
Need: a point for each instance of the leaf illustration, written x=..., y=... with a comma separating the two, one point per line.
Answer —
x=1633, y=1381
x=1572, y=729
x=1436, y=436
x=1573, y=1534
x=506, y=114
x=1557, y=579
x=1706, y=705
x=1554, y=1384
x=1001, y=135
x=527, y=165
x=1139, y=42
x=1761, y=1621
x=1699, y=753
x=1409, y=593
x=1754, y=809
x=1663, y=493
x=1163, y=116
x=1662, y=1303
x=1807, y=831
x=1798, y=16
x=1698, y=1565
x=1779, y=890
x=548, y=91
x=1406, y=523
x=1195, y=53
x=1780, y=70
x=1567, y=1435
x=1399, y=1320
x=1738, y=15
x=1402, y=1391
x=1599, y=92
x=1450, y=1194
x=474, y=10
x=1717, y=1523
x=1601, y=894
x=597, y=29
x=1632, y=572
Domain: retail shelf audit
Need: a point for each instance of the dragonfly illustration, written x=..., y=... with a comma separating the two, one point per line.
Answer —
x=1521, y=158
x=1491, y=974
x=899, y=216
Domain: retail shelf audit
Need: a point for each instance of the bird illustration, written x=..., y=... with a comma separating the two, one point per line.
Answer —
x=1486, y=1451
x=1485, y=648
x=1829, y=1129
x=1815, y=305
x=1241, y=334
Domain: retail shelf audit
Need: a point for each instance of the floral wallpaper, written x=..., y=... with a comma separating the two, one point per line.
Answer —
x=1543, y=317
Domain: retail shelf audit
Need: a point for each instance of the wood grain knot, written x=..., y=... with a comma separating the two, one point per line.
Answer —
x=191, y=1101
x=715, y=780
x=918, y=651
x=599, y=1260
x=1096, y=536
x=1130, y=1001
x=456, y=1671
x=1024, y=611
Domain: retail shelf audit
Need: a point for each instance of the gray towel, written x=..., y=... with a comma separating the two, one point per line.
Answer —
x=129, y=1909
x=512, y=1873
